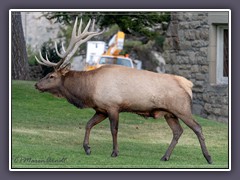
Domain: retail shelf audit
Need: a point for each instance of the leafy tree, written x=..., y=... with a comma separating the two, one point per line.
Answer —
x=136, y=24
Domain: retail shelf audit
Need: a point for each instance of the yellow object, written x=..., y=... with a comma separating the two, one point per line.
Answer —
x=89, y=68
x=116, y=44
x=111, y=56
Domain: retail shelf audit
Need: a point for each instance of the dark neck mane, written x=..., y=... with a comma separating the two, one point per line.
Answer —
x=77, y=88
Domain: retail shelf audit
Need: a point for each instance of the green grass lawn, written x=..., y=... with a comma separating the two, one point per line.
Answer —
x=48, y=132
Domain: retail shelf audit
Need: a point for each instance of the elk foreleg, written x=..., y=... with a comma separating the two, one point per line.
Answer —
x=97, y=118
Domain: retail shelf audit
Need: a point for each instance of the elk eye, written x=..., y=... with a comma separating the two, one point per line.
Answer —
x=51, y=77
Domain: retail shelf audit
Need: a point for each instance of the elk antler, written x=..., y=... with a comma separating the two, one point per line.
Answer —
x=77, y=39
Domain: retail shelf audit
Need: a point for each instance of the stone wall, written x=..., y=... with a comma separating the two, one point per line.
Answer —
x=186, y=54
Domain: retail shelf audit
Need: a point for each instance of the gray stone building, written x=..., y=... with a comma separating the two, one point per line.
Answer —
x=196, y=47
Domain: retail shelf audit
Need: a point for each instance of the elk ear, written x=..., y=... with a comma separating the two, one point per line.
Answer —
x=64, y=71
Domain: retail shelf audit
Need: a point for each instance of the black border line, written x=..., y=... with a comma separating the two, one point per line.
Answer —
x=120, y=169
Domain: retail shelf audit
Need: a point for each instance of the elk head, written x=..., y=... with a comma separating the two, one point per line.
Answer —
x=52, y=81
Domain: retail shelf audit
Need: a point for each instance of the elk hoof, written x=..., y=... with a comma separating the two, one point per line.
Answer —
x=87, y=150
x=114, y=154
x=209, y=159
x=164, y=158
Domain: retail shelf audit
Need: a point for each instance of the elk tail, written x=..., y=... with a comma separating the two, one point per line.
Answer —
x=185, y=84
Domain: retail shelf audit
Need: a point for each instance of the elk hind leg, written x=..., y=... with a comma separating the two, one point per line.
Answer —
x=177, y=132
x=191, y=123
x=113, y=118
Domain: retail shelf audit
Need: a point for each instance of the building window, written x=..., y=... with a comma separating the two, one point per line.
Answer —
x=222, y=55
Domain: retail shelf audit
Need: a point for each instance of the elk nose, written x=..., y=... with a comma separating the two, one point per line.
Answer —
x=36, y=86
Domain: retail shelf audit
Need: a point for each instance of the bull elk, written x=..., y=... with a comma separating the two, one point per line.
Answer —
x=113, y=89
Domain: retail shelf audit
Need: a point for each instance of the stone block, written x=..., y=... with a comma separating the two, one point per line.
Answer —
x=195, y=68
x=171, y=43
x=197, y=109
x=203, y=51
x=204, y=34
x=200, y=43
x=199, y=83
x=168, y=69
x=187, y=16
x=206, y=97
x=185, y=45
x=225, y=99
x=182, y=59
x=191, y=55
x=200, y=76
x=201, y=60
x=224, y=110
x=194, y=25
x=217, y=111
x=172, y=30
x=176, y=16
x=184, y=67
x=182, y=53
x=189, y=35
x=198, y=89
x=208, y=107
x=184, y=73
x=199, y=16
x=204, y=69
x=183, y=25
x=175, y=69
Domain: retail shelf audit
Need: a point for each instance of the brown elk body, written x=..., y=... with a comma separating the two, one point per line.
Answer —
x=110, y=90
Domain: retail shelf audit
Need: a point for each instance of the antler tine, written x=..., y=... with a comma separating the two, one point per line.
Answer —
x=47, y=58
x=80, y=27
x=74, y=32
x=64, y=64
x=58, y=53
x=91, y=34
x=86, y=28
x=72, y=42
x=40, y=61
x=77, y=38
x=74, y=39
x=46, y=62
x=85, y=34
x=93, y=24
x=63, y=48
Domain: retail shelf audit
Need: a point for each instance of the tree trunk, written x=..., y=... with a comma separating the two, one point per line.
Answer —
x=19, y=53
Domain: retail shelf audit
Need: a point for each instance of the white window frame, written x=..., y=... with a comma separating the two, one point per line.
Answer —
x=220, y=59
